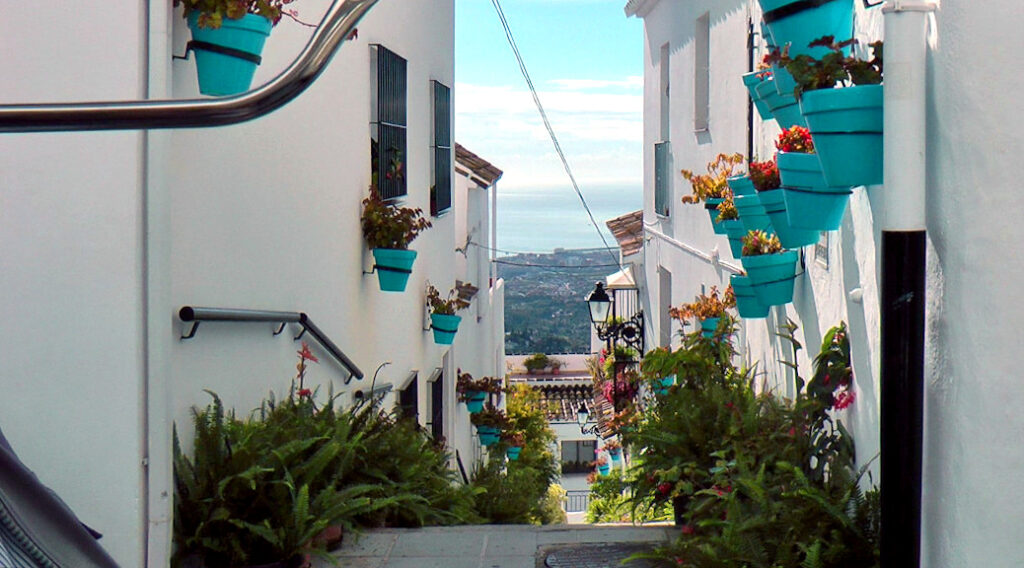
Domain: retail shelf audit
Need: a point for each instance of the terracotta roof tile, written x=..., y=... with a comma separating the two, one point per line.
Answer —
x=482, y=172
x=628, y=230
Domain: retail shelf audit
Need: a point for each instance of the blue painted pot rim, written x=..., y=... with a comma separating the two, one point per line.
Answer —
x=750, y=202
x=843, y=110
x=762, y=260
x=751, y=79
x=741, y=185
x=445, y=323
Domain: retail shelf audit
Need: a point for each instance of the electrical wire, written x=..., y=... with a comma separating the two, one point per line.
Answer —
x=572, y=266
x=524, y=252
x=551, y=131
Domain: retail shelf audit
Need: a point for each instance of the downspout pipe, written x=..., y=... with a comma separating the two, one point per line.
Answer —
x=336, y=27
x=903, y=270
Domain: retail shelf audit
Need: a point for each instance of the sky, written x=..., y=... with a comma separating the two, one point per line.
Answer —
x=586, y=61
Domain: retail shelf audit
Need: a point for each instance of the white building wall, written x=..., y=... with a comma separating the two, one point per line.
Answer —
x=71, y=282
x=970, y=513
x=103, y=236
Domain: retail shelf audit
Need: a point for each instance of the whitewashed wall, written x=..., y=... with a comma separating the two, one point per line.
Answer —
x=971, y=425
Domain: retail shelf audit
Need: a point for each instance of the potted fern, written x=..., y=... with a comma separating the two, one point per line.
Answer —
x=388, y=230
x=772, y=270
x=443, y=320
x=228, y=38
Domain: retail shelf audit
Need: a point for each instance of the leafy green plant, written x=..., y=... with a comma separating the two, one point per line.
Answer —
x=386, y=225
x=213, y=12
x=466, y=384
x=757, y=243
x=536, y=362
x=445, y=306
x=713, y=184
x=491, y=416
x=834, y=68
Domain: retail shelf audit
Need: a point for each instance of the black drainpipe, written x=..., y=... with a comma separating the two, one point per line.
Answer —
x=750, y=102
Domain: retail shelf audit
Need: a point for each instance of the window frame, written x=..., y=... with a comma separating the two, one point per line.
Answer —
x=441, y=150
x=389, y=103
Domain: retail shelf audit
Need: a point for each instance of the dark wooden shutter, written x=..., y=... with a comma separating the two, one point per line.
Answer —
x=391, y=122
x=441, y=190
x=408, y=400
x=437, y=407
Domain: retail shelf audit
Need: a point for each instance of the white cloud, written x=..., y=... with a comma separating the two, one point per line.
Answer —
x=632, y=83
x=600, y=132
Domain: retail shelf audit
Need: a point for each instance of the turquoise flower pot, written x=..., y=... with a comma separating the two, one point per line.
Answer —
x=662, y=385
x=785, y=84
x=846, y=125
x=444, y=327
x=747, y=303
x=773, y=276
x=734, y=228
x=709, y=326
x=604, y=469
x=393, y=268
x=513, y=453
x=774, y=203
x=741, y=185
x=784, y=108
x=222, y=74
x=489, y=439
x=476, y=400
x=711, y=205
x=789, y=24
x=810, y=203
x=752, y=213
x=751, y=81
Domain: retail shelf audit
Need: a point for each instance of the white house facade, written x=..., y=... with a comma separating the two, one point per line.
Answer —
x=104, y=237
x=695, y=54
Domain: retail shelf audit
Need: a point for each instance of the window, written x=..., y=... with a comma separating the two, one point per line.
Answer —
x=702, y=73
x=387, y=129
x=577, y=455
x=441, y=188
x=408, y=399
x=821, y=250
x=664, y=303
x=437, y=407
x=662, y=179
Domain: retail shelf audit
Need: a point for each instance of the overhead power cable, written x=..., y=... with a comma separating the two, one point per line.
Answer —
x=570, y=266
x=551, y=131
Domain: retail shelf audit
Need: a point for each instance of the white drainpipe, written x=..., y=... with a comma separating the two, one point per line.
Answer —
x=903, y=281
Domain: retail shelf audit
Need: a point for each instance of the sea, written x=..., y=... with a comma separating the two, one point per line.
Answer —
x=541, y=219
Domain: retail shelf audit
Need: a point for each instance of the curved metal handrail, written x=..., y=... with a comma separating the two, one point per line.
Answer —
x=337, y=25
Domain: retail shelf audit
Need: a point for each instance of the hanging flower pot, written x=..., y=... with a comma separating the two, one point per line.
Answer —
x=513, y=452
x=846, y=125
x=784, y=108
x=444, y=327
x=227, y=57
x=488, y=435
x=797, y=23
x=662, y=385
x=752, y=213
x=709, y=326
x=741, y=185
x=773, y=276
x=734, y=228
x=604, y=468
x=810, y=202
x=393, y=268
x=616, y=455
x=711, y=205
x=774, y=203
x=747, y=303
x=475, y=401
x=751, y=81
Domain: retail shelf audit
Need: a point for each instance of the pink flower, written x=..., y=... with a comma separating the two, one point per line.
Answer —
x=845, y=399
x=306, y=354
x=664, y=488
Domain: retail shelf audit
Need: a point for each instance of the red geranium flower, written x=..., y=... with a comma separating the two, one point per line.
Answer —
x=306, y=354
x=304, y=392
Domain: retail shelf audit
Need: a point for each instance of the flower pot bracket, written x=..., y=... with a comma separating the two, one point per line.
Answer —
x=214, y=48
x=436, y=328
x=388, y=269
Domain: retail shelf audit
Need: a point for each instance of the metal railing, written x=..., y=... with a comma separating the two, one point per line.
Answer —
x=335, y=28
x=199, y=315
x=577, y=501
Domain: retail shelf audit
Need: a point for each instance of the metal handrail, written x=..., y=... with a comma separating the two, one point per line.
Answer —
x=199, y=315
x=336, y=26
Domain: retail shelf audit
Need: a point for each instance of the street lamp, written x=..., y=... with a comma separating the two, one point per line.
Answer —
x=600, y=305
x=582, y=417
x=612, y=327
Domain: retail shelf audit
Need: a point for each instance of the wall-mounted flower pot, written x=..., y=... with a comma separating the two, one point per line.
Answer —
x=227, y=57
x=846, y=125
x=616, y=455
x=772, y=276
x=393, y=267
x=741, y=185
x=513, y=452
x=711, y=205
x=734, y=229
x=488, y=435
x=799, y=22
x=709, y=326
x=774, y=203
x=662, y=385
x=752, y=213
x=747, y=303
x=784, y=108
x=785, y=84
x=810, y=202
x=444, y=327
x=604, y=469
x=476, y=400
x=751, y=81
